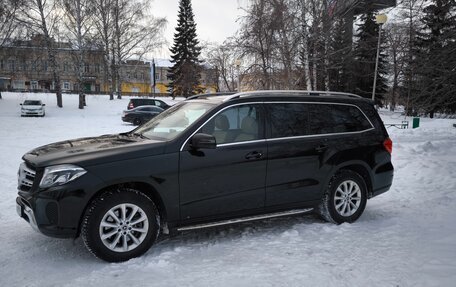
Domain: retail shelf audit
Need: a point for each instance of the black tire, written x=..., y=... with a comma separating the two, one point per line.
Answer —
x=137, y=121
x=98, y=212
x=335, y=206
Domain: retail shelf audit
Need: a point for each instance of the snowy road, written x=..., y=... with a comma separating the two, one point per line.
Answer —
x=406, y=237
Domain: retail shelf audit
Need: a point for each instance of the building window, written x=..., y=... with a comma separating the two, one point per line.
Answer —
x=65, y=67
x=45, y=65
x=66, y=85
x=97, y=68
x=34, y=85
x=157, y=77
x=2, y=64
x=11, y=65
x=86, y=68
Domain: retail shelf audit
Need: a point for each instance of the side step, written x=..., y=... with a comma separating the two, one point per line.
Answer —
x=246, y=219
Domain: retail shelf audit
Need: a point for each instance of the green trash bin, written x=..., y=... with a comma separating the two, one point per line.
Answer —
x=416, y=123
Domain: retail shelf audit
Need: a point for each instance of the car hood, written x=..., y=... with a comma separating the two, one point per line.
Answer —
x=94, y=150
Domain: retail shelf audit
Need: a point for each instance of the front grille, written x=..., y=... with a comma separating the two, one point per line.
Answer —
x=26, y=176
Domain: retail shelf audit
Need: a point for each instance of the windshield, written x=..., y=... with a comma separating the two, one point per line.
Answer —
x=32, y=103
x=170, y=123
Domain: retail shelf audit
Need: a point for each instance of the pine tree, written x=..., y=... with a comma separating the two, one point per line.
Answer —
x=365, y=53
x=436, y=59
x=185, y=75
x=340, y=57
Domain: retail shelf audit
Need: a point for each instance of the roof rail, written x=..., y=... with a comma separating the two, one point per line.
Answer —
x=210, y=95
x=289, y=93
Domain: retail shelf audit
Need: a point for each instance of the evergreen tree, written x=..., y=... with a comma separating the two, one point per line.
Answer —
x=340, y=57
x=436, y=59
x=365, y=53
x=185, y=75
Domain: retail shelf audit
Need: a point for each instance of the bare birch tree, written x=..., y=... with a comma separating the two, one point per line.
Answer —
x=8, y=25
x=224, y=57
x=42, y=17
x=135, y=33
x=104, y=27
x=79, y=26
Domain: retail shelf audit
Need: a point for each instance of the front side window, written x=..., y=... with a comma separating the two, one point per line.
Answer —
x=235, y=124
x=172, y=122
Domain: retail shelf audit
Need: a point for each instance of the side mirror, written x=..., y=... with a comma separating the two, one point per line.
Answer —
x=20, y=104
x=200, y=141
x=43, y=105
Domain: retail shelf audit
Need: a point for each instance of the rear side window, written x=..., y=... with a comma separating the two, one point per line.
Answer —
x=301, y=119
x=335, y=118
x=288, y=120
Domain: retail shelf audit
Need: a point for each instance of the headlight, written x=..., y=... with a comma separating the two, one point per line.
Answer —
x=60, y=174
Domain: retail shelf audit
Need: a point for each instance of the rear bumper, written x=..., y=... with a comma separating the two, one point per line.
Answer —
x=382, y=182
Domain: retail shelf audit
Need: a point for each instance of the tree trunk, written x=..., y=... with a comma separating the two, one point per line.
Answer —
x=51, y=55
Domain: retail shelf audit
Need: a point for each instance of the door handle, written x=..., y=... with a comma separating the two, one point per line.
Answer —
x=321, y=148
x=254, y=155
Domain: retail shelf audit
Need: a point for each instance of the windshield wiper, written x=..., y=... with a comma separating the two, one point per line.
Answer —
x=139, y=135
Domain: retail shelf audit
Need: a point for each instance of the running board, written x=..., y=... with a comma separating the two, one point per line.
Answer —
x=245, y=219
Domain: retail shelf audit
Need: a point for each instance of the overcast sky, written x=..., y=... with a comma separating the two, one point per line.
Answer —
x=215, y=19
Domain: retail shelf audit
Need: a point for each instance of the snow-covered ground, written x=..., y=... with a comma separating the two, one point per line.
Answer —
x=406, y=237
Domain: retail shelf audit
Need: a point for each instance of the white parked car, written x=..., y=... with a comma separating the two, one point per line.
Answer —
x=32, y=108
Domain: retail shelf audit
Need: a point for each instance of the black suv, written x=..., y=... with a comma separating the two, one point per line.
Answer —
x=209, y=161
x=134, y=103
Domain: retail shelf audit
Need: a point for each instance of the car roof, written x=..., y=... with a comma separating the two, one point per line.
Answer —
x=146, y=99
x=277, y=95
x=146, y=106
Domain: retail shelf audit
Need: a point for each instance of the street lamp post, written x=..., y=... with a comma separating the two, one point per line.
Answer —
x=380, y=20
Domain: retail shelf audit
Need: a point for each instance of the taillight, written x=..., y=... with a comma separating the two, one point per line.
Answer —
x=131, y=106
x=388, y=144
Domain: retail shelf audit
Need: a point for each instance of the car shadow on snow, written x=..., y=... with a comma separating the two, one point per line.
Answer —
x=74, y=249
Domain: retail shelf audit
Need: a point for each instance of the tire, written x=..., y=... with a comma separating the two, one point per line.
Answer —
x=124, y=239
x=137, y=121
x=345, y=187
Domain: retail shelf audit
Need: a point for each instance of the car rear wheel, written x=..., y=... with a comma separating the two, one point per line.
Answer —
x=120, y=225
x=345, y=198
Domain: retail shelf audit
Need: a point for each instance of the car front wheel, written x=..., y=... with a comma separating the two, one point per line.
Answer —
x=137, y=121
x=345, y=198
x=120, y=225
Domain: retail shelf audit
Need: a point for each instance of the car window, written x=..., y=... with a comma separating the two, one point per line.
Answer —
x=320, y=119
x=336, y=118
x=170, y=123
x=288, y=119
x=32, y=103
x=235, y=124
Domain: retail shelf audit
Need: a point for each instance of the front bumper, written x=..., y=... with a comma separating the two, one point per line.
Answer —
x=26, y=213
x=32, y=112
x=58, y=211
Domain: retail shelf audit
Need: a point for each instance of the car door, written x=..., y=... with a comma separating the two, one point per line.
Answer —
x=294, y=156
x=230, y=178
